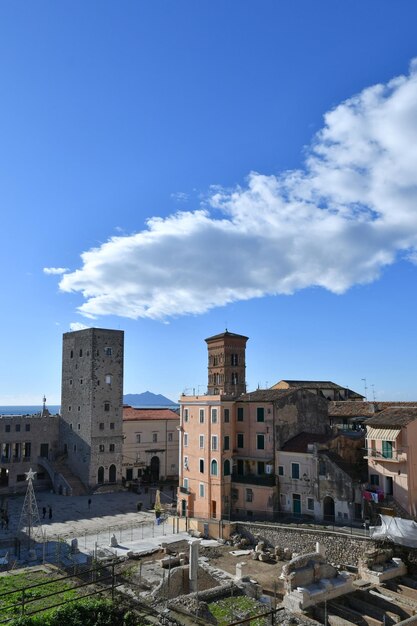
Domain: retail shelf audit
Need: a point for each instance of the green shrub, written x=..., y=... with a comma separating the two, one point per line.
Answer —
x=81, y=613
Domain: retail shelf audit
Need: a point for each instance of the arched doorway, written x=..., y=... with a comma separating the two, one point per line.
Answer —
x=100, y=475
x=112, y=474
x=154, y=469
x=328, y=509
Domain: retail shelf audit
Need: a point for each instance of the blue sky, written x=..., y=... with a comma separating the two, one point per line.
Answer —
x=175, y=168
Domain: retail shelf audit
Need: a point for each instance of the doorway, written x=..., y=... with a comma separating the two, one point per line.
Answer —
x=328, y=509
x=213, y=509
x=4, y=477
x=296, y=504
x=112, y=474
x=154, y=469
x=100, y=475
x=44, y=450
x=389, y=486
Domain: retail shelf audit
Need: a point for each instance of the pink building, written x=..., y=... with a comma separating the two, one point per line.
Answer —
x=391, y=442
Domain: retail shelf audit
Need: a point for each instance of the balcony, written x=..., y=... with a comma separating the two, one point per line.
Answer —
x=266, y=480
x=394, y=456
x=185, y=491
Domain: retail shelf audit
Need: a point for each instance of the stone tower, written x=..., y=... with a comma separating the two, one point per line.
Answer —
x=92, y=404
x=226, y=364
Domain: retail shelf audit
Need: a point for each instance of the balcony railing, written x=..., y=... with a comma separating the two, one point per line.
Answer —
x=397, y=456
x=266, y=480
x=185, y=491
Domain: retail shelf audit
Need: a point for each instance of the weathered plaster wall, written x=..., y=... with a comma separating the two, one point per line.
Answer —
x=297, y=413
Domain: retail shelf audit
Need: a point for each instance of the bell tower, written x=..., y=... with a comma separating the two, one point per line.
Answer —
x=226, y=364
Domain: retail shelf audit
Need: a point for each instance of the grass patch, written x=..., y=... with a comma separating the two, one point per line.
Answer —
x=12, y=586
x=240, y=607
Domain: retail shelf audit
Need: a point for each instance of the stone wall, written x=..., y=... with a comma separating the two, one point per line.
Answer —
x=340, y=549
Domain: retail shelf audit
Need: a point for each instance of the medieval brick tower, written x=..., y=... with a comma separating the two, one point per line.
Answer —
x=92, y=404
x=226, y=364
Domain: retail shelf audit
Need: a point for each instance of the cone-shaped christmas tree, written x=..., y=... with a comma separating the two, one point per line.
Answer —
x=30, y=522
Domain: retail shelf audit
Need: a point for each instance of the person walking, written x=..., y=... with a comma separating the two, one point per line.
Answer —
x=50, y=513
x=44, y=512
x=89, y=503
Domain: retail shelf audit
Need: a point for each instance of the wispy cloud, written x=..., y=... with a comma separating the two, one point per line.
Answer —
x=180, y=196
x=55, y=270
x=335, y=223
x=77, y=326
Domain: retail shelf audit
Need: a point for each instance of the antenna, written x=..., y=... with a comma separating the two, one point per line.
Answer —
x=366, y=388
x=373, y=392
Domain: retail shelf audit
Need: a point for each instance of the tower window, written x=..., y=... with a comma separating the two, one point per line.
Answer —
x=107, y=406
x=111, y=447
x=234, y=359
x=235, y=378
x=108, y=379
x=154, y=437
x=101, y=448
x=111, y=425
x=108, y=351
x=81, y=352
x=101, y=426
x=71, y=354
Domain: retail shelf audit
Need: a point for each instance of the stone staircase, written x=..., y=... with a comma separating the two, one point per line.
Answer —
x=392, y=507
x=77, y=487
x=63, y=479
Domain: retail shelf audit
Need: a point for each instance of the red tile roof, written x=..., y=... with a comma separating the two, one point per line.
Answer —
x=300, y=442
x=131, y=414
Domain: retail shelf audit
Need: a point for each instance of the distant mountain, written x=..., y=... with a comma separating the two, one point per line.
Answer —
x=147, y=399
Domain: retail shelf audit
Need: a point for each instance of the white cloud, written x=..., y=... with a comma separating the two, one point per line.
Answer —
x=351, y=211
x=55, y=270
x=77, y=326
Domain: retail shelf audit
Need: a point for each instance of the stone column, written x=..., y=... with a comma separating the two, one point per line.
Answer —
x=193, y=567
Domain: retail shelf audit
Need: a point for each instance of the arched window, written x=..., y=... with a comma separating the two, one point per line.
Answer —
x=213, y=468
x=226, y=468
x=100, y=475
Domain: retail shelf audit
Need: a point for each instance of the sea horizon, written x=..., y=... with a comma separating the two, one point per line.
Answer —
x=27, y=409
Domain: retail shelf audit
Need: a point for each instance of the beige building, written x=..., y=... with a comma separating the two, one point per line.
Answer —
x=150, y=444
x=26, y=440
